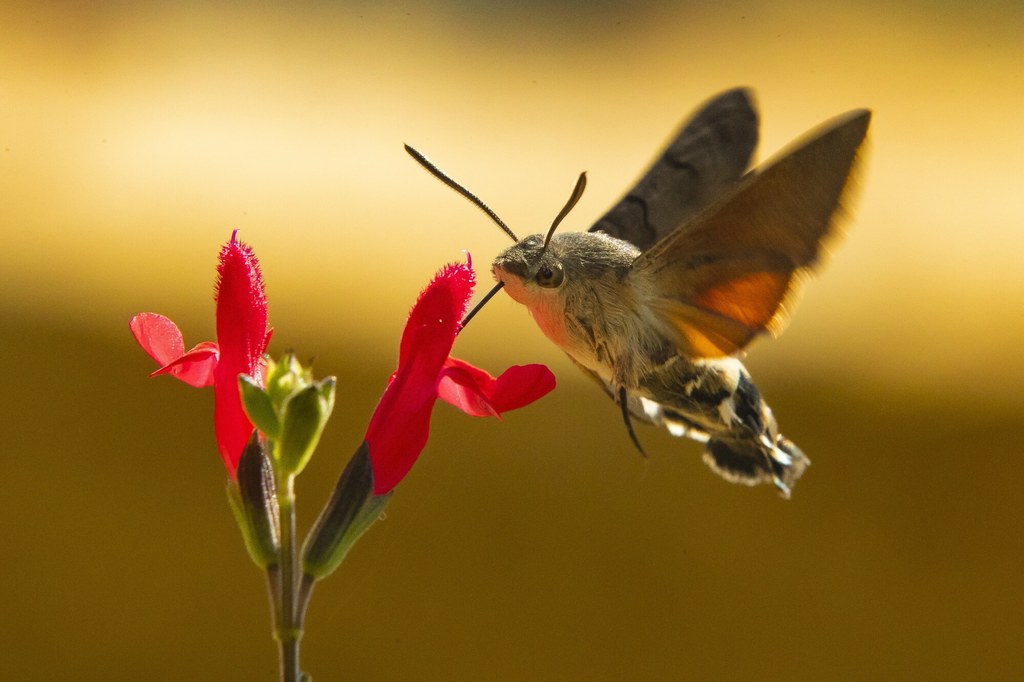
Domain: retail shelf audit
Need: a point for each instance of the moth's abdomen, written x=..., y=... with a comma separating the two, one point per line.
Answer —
x=717, y=403
x=750, y=462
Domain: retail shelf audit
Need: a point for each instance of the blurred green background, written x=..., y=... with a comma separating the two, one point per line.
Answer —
x=134, y=138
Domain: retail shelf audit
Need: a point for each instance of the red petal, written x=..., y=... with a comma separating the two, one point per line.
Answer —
x=477, y=393
x=158, y=336
x=161, y=339
x=468, y=388
x=196, y=367
x=434, y=320
x=400, y=425
x=242, y=332
x=399, y=429
x=520, y=385
x=242, y=335
x=231, y=424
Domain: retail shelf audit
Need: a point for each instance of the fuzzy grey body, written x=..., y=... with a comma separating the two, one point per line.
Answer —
x=599, y=316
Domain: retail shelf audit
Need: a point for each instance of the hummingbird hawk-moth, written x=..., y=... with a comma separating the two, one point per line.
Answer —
x=658, y=298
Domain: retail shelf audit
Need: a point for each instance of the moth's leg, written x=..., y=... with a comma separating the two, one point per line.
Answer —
x=624, y=404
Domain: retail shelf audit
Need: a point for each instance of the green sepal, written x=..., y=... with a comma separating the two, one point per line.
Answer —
x=351, y=510
x=253, y=500
x=305, y=415
x=285, y=377
x=258, y=406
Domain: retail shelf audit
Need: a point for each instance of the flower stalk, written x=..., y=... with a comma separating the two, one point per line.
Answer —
x=286, y=629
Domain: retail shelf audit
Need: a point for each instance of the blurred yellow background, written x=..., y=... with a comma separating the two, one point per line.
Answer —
x=134, y=138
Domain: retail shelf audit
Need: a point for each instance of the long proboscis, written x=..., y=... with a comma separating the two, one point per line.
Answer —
x=479, y=306
x=443, y=177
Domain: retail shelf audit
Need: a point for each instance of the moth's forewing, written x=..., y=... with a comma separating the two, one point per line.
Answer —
x=700, y=164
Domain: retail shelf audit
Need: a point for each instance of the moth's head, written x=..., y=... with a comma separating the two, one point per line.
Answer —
x=534, y=270
x=571, y=261
x=530, y=270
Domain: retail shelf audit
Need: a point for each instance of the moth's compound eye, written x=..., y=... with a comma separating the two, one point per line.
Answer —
x=550, y=277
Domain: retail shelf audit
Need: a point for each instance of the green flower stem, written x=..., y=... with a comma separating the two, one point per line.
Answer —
x=306, y=585
x=274, y=589
x=286, y=631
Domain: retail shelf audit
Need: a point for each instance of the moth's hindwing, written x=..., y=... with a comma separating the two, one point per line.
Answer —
x=727, y=274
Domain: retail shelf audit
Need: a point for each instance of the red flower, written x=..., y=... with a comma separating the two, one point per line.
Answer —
x=399, y=427
x=242, y=337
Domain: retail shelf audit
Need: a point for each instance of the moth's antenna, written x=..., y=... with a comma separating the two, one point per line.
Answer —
x=577, y=192
x=440, y=175
x=478, y=306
